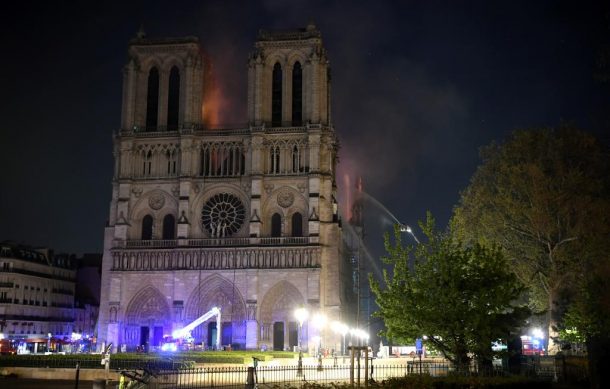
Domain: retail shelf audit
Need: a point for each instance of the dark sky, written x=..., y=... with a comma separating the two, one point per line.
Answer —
x=418, y=87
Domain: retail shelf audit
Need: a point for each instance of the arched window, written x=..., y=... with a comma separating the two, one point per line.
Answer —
x=147, y=164
x=295, y=159
x=276, y=225
x=169, y=227
x=276, y=96
x=152, y=100
x=297, y=224
x=234, y=161
x=242, y=164
x=147, y=227
x=205, y=162
x=168, y=157
x=297, y=95
x=173, y=99
x=274, y=167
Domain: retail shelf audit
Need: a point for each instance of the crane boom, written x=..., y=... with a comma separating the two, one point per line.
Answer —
x=183, y=332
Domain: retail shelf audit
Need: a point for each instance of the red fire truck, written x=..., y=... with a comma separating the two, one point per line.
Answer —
x=7, y=347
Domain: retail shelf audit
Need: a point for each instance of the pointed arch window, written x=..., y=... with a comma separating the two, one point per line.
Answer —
x=172, y=163
x=297, y=95
x=297, y=224
x=152, y=100
x=147, y=227
x=205, y=162
x=295, y=159
x=276, y=225
x=274, y=166
x=169, y=227
x=276, y=96
x=147, y=164
x=173, y=99
x=234, y=161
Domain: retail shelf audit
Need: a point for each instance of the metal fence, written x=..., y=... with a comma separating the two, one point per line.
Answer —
x=264, y=376
x=168, y=373
x=292, y=376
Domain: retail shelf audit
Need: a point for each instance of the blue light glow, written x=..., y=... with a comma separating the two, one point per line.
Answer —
x=169, y=347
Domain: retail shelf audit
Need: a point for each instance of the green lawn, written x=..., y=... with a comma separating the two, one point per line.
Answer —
x=237, y=357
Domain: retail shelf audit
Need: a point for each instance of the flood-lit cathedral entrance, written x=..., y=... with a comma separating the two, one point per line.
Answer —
x=244, y=219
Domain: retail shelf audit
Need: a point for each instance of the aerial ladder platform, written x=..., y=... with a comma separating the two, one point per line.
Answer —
x=186, y=331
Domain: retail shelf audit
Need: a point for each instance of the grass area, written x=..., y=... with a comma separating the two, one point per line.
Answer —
x=236, y=357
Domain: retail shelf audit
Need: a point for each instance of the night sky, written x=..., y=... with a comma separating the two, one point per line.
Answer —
x=418, y=88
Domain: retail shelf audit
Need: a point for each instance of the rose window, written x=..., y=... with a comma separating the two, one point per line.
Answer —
x=223, y=215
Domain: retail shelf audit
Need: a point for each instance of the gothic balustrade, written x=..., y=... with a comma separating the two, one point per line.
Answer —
x=218, y=242
x=233, y=129
x=216, y=258
x=147, y=243
x=186, y=129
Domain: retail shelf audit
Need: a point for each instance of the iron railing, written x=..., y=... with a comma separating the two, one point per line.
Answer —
x=168, y=373
x=294, y=376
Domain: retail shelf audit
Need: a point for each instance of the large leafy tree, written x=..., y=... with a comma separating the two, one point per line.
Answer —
x=543, y=197
x=462, y=297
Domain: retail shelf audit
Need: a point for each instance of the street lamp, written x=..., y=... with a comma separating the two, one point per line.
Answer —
x=301, y=315
x=353, y=333
x=49, y=342
x=365, y=338
x=407, y=229
x=340, y=328
x=319, y=321
x=362, y=335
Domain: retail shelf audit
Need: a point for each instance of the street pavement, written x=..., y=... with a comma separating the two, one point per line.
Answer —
x=27, y=383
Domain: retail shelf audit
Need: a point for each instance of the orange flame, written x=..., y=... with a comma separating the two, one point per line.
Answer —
x=212, y=97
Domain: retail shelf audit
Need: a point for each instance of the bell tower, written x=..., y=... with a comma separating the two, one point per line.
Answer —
x=289, y=79
x=162, y=84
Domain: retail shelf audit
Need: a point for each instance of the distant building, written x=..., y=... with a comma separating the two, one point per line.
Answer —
x=36, y=295
x=85, y=319
x=42, y=293
x=87, y=297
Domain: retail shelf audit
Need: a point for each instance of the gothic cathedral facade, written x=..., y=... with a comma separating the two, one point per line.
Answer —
x=244, y=219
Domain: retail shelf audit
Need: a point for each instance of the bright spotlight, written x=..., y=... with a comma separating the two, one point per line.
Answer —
x=177, y=334
x=405, y=228
x=169, y=347
x=339, y=328
x=319, y=320
x=537, y=333
x=301, y=315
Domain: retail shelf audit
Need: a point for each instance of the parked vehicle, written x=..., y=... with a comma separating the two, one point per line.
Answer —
x=8, y=347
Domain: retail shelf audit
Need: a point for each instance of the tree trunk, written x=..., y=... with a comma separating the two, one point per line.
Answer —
x=552, y=346
x=462, y=364
x=485, y=366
